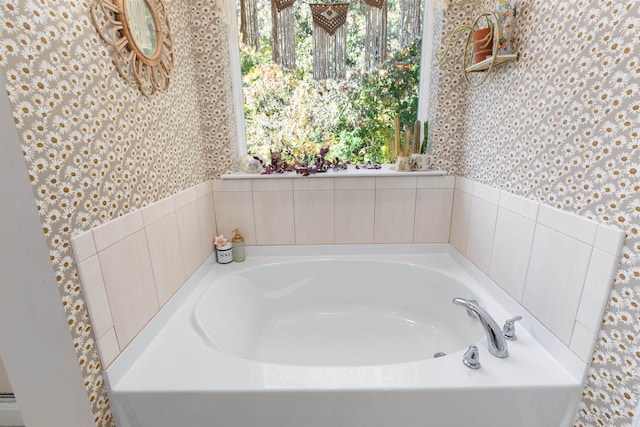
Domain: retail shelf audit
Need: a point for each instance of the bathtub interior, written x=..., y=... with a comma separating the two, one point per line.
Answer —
x=186, y=369
x=329, y=312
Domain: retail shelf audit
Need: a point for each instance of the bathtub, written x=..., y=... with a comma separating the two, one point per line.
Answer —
x=340, y=336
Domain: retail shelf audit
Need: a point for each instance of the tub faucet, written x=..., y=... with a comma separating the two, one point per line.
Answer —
x=495, y=338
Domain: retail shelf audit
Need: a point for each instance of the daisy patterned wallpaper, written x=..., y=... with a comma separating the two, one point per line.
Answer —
x=95, y=147
x=561, y=126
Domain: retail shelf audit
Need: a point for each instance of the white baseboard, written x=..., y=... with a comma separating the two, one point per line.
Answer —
x=9, y=412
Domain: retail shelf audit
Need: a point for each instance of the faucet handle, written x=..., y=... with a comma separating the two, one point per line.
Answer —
x=509, y=330
x=471, y=358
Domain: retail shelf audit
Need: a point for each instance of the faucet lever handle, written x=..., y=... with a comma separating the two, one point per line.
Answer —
x=471, y=358
x=509, y=329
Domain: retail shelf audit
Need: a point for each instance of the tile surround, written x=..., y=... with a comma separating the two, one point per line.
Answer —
x=128, y=281
x=161, y=245
x=274, y=216
x=235, y=209
x=96, y=295
x=482, y=226
x=394, y=215
x=165, y=252
x=558, y=265
x=433, y=215
x=314, y=213
x=460, y=219
x=131, y=266
x=108, y=347
x=511, y=252
x=495, y=230
x=555, y=278
x=351, y=210
x=353, y=220
x=191, y=236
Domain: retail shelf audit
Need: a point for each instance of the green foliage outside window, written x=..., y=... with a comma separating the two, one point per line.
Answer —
x=289, y=112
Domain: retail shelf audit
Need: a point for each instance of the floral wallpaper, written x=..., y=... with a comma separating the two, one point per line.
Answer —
x=95, y=147
x=561, y=126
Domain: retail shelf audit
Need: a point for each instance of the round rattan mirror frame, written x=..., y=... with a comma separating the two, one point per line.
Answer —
x=152, y=72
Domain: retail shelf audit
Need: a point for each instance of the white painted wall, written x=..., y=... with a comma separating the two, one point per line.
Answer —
x=37, y=349
x=5, y=385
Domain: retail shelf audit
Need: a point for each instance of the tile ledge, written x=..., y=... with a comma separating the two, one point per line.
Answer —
x=351, y=172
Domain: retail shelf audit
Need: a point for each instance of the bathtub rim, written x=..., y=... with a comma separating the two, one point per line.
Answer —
x=573, y=365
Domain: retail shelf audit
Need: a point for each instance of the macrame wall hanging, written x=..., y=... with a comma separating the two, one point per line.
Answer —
x=375, y=49
x=249, y=23
x=410, y=21
x=283, y=32
x=329, y=40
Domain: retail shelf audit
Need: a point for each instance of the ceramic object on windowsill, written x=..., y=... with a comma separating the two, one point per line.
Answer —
x=404, y=164
x=422, y=162
x=413, y=163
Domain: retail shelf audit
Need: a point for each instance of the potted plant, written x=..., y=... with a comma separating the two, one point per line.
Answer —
x=480, y=34
x=480, y=50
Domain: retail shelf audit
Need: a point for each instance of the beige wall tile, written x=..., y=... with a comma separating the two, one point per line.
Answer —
x=314, y=217
x=511, y=251
x=191, y=240
x=107, y=234
x=555, y=279
x=394, y=215
x=207, y=223
x=83, y=246
x=364, y=183
x=235, y=209
x=274, y=217
x=128, y=280
x=482, y=226
x=433, y=215
x=354, y=211
x=108, y=348
x=460, y=220
x=165, y=251
x=158, y=210
x=96, y=295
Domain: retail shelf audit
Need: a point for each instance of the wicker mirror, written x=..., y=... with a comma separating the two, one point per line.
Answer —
x=139, y=31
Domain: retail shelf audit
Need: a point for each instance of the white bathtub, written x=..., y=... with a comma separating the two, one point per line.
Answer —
x=297, y=337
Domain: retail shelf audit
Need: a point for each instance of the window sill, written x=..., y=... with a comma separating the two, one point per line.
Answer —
x=351, y=172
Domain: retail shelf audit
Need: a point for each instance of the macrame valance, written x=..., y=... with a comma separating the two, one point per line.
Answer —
x=375, y=49
x=329, y=33
x=283, y=32
x=329, y=17
x=329, y=40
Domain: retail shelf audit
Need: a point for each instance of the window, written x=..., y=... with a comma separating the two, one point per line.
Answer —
x=288, y=111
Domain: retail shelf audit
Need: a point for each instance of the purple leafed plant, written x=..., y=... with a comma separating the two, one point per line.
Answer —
x=319, y=164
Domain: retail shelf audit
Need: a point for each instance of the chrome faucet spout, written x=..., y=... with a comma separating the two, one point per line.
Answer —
x=495, y=338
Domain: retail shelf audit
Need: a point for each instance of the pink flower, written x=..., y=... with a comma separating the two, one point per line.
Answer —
x=220, y=240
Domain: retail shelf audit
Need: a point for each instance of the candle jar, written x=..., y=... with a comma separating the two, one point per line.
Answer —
x=224, y=253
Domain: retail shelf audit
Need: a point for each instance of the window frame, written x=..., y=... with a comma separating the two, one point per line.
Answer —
x=230, y=17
